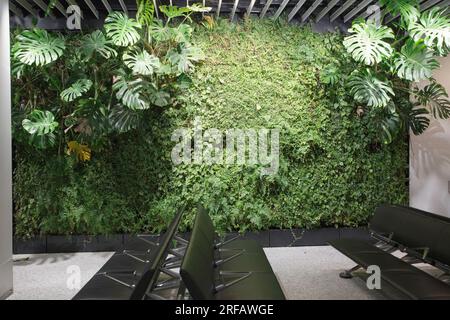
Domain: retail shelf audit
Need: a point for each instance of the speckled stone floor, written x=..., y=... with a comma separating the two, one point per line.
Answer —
x=304, y=273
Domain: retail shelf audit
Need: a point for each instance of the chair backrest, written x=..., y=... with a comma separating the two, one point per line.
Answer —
x=414, y=229
x=151, y=272
x=197, y=268
x=205, y=224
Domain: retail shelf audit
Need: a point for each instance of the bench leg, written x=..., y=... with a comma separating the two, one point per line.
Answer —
x=347, y=274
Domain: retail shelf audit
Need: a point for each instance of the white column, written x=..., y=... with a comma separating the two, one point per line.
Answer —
x=6, y=278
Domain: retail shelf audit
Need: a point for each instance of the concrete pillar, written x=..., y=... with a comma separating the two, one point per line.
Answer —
x=6, y=277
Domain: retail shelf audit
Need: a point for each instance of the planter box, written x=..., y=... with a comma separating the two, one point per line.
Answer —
x=103, y=243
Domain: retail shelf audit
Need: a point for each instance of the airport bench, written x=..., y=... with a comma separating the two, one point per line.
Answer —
x=425, y=238
x=230, y=270
x=134, y=276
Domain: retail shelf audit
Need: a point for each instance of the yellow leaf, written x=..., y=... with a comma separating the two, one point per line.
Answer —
x=82, y=151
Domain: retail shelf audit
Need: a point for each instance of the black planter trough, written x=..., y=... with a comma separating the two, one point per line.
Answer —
x=103, y=243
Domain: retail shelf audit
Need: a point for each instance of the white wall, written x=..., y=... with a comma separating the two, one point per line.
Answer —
x=430, y=160
x=5, y=156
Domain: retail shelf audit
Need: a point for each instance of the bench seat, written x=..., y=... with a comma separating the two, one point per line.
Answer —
x=411, y=281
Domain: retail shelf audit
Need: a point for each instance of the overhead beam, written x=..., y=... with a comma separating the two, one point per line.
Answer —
x=428, y=4
x=342, y=9
x=297, y=7
x=107, y=6
x=280, y=9
x=266, y=7
x=17, y=11
x=27, y=6
x=311, y=10
x=124, y=6
x=60, y=8
x=93, y=8
x=327, y=9
x=233, y=11
x=356, y=10
x=44, y=7
x=250, y=7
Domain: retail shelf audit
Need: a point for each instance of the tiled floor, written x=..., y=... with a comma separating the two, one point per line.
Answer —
x=304, y=273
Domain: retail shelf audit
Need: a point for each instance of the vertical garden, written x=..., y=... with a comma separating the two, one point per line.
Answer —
x=94, y=113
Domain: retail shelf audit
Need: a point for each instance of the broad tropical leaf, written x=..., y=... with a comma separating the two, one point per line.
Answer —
x=184, y=61
x=434, y=28
x=160, y=98
x=407, y=9
x=366, y=44
x=435, y=98
x=125, y=119
x=368, y=89
x=129, y=92
x=40, y=123
x=141, y=62
x=145, y=12
x=76, y=90
x=38, y=47
x=416, y=62
x=196, y=7
x=172, y=12
x=96, y=42
x=183, y=33
x=123, y=31
x=82, y=151
x=390, y=126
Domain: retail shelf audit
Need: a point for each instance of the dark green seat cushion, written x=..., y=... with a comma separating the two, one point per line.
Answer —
x=259, y=286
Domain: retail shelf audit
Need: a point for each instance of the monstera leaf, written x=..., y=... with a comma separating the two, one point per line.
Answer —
x=82, y=151
x=416, y=62
x=366, y=44
x=331, y=75
x=435, y=98
x=41, y=126
x=123, y=31
x=184, y=61
x=40, y=123
x=368, y=89
x=172, y=12
x=76, y=90
x=38, y=47
x=407, y=9
x=434, y=28
x=125, y=119
x=141, y=62
x=96, y=42
x=129, y=92
x=390, y=125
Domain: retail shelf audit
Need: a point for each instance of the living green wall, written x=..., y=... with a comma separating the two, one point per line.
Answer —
x=257, y=74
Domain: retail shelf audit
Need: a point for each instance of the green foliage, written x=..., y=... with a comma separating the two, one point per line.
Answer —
x=41, y=126
x=96, y=42
x=366, y=44
x=76, y=90
x=434, y=28
x=37, y=47
x=398, y=58
x=333, y=170
x=368, y=89
x=141, y=63
x=122, y=30
x=416, y=62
